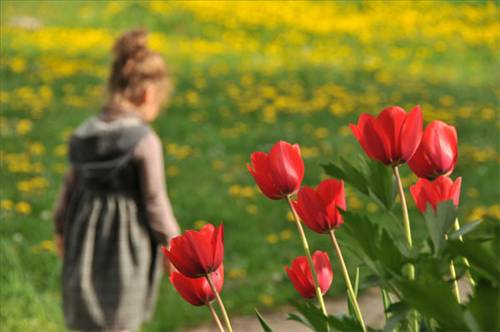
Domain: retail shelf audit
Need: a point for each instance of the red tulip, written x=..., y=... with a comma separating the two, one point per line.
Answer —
x=437, y=152
x=197, y=253
x=197, y=291
x=392, y=137
x=318, y=208
x=301, y=276
x=278, y=173
x=426, y=192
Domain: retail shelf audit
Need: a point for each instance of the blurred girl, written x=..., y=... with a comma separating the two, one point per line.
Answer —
x=113, y=212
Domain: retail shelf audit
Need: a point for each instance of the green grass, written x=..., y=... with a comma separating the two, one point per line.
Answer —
x=221, y=112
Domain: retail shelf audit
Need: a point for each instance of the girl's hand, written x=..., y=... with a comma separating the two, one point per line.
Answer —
x=59, y=241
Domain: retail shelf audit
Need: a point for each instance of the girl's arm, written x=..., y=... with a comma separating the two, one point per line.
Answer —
x=149, y=155
x=60, y=207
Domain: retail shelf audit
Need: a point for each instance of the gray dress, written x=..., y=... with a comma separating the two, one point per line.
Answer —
x=113, y=213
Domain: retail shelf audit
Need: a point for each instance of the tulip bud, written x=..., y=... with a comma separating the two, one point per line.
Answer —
x=442, y=189
x=301, y=276
x=197, y=291
x=197, y=253
x=392, y=137
x=318, y=208
x=437, y=152
x=278, y=173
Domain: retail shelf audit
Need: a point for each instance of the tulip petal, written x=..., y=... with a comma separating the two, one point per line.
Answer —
x=426, y=192
x=370, y=140
x=411, y=134
x=388, y=125
x=420, y=164
x=332, y=193
x=323, y=269
x=441, y=144
x=311, y=210
x=287, y=167
x=261, y=173
x=455, y=191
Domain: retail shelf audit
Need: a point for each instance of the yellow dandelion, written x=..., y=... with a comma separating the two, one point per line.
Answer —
x=237, y=273
x=24, y=126
x=472, y=192
x=251, y=209
x=320, y=133
x=286, y=234
x=266, y=299
x=272, y=238
x=173, y=171
x=36, y=148
x=218, y=165
x=61, y=150
x=23, y=207
x=345, y=131
x=372, y=207
x=6, y=204
x=235, y=190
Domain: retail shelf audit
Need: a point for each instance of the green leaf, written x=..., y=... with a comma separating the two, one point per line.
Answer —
x=297, y=318
x=355, y=289
x=439, y=223
x=434, y=299
x=369, y=177
x=483, y=308
x=382, y=183
x=372, y=244
x=349, y=173
x=265, y=326
x=464, y=229
x=482, y=257
x=344, y=324
x=398, y=316
x=311, y=316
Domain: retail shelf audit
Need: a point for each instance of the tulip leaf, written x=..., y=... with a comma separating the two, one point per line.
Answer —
x=344, y=324
x=483, y=308
x=398, y=314
x=349, y=173
x=433, y=298
x=465, y=229
x=355, y=289
x=370, y=178
x=372, y=244
x=439, y=223
x=265, y=326
x=482, y=259
x=311, y=316
x=381, y=182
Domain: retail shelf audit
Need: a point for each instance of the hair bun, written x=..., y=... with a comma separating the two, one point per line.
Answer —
x=131, y=44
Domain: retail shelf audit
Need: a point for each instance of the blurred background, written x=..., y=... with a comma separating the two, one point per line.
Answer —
x=247, y=74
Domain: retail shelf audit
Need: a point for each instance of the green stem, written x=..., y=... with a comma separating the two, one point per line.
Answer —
x=221, y=304
x=215, y=317
x=456, y=227
x=453, y=274
x=406, y=222
x=350, y=290
x=319, y=295
x=386, y=301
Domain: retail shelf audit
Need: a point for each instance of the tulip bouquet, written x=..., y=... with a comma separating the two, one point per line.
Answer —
x=416, y=265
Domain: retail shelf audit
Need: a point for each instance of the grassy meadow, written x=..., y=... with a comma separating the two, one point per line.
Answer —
x=246, y=75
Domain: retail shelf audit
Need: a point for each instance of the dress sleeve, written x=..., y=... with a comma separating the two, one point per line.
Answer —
x=149, y=155
x=62, y=201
